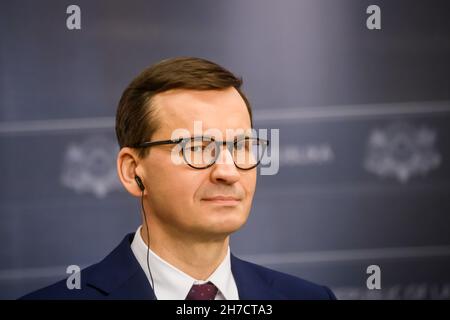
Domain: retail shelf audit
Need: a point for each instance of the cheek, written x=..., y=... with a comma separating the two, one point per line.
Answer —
x=187, y=186
x=248, y=181
x=176, y=186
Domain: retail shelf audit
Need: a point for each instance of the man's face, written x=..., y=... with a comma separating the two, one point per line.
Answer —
x=180, y=197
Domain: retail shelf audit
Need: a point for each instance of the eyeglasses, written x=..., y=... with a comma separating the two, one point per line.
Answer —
x=202, y=152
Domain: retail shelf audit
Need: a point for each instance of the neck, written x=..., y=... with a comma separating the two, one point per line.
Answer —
x=198, y=258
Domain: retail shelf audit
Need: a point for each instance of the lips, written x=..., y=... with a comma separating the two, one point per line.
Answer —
x=224, y=200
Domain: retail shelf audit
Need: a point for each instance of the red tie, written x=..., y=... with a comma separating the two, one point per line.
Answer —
x=205, y=291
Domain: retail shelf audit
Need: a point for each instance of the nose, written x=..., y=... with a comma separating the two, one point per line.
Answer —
x=224, y=170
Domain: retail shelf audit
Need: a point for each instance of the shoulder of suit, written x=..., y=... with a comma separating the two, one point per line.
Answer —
x=60, y=290
x=290, y=286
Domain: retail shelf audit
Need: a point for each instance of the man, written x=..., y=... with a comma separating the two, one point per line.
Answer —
x=196, y=189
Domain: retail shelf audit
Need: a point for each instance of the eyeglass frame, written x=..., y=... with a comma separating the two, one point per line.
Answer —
x=218, y=143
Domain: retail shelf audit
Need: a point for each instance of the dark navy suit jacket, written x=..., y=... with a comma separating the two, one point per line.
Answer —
x=120, y=276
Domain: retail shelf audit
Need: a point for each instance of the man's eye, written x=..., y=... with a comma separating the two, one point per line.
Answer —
x=242, y=145
x=197, y=148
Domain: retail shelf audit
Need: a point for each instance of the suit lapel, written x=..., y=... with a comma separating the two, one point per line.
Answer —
x=251, y=285
x=119, y=275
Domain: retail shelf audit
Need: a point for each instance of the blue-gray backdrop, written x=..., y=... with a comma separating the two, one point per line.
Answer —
x=363, y=117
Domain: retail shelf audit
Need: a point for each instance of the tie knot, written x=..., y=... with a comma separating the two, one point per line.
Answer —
x=206, y=291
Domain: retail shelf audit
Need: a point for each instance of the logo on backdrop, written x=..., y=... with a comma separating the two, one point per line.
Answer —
x=304, y=155
x=90, y=166
x=402, y=150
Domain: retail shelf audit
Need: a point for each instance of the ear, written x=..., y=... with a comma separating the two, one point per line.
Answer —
x=127, y=168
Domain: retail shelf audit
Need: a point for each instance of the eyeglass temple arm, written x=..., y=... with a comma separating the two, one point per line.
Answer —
x=157, y=143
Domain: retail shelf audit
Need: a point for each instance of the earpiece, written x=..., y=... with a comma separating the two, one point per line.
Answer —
x=142, y=187
x=139, y=183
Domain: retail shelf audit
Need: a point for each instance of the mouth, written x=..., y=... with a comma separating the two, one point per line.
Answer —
x=222, y=200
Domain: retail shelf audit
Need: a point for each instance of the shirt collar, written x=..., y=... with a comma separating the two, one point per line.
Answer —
x=172, y=283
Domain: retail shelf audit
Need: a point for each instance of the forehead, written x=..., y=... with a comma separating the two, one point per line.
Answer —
x=216, y=109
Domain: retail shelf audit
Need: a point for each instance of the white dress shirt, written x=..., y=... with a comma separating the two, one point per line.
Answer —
x=173, y=284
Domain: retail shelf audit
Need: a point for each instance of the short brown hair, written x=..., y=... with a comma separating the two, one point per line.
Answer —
x=136, y=120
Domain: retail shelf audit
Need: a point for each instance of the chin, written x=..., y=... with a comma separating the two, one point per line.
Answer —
x=227, y=223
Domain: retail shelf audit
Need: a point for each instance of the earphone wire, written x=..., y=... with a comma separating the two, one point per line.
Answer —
x=148, y=243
